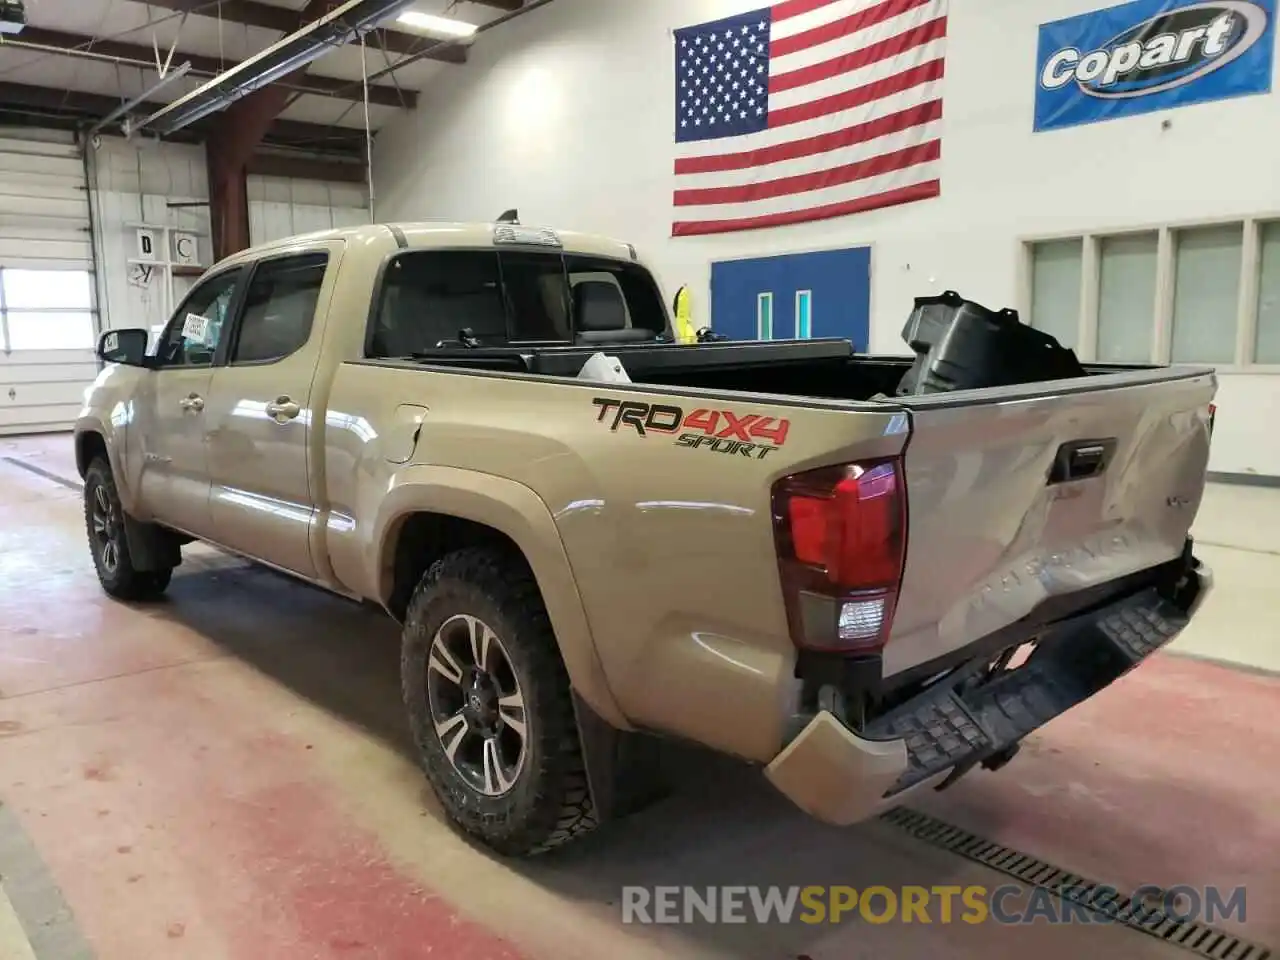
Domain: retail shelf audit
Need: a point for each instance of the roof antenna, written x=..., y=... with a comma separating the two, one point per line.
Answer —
x=510, y=216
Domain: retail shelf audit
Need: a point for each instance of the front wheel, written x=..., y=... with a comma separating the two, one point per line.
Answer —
x=489, y=702
x=104, y=521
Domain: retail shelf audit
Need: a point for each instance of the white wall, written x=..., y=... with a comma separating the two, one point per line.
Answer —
x=134, y=182
x=280, y=207
x=567, y=114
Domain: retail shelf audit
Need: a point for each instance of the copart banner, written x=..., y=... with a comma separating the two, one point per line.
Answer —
x=1151, y=55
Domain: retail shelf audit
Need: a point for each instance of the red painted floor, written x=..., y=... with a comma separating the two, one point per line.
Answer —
x=1170, y=777
x=226, y=775
x=178, y=821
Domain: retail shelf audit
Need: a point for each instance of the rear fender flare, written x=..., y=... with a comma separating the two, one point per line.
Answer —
x=518, y=512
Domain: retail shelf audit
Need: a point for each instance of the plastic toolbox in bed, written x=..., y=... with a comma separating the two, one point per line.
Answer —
x=961, y=345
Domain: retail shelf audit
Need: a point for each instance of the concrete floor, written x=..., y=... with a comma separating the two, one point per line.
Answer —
x=227, y=775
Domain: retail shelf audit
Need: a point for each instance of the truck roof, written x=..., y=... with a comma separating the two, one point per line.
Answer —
x=444, y=234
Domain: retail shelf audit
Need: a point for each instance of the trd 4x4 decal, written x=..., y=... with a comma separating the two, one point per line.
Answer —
x=749, y=435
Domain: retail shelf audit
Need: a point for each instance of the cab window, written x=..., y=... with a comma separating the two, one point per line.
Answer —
x=429, y=298
x=279, y=308
x=194, y=332
x=434, y=299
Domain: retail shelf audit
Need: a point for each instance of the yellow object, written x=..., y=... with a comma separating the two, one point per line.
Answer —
x=684, y=318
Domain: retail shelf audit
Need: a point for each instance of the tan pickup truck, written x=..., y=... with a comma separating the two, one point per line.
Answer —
x=756, y=547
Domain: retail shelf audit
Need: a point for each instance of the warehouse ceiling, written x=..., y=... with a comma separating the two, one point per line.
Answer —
x=78, y=60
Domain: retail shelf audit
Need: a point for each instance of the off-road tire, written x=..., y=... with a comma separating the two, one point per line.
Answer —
x=550, y=802
x=123, y=581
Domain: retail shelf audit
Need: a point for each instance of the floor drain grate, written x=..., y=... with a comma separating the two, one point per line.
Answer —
x=1190, y=935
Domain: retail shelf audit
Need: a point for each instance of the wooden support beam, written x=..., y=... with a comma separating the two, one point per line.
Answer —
x=306, y=168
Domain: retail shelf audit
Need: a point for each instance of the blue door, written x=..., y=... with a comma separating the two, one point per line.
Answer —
x=794, y=296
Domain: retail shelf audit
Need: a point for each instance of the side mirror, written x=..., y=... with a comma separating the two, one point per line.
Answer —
x=123, y=346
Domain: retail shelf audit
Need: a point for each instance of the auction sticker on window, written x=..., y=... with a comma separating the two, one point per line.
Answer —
x=195, y=328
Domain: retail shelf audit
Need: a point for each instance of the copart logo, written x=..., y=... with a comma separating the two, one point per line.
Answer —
x=1173, y=48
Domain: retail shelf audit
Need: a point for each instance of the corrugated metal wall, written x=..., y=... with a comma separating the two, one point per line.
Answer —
x=46, y=339
x=281, y=207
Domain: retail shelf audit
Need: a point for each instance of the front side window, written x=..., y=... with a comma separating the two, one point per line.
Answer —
x=279, y=308
x=193, y=335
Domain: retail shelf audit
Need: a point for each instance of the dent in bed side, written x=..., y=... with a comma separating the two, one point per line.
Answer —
x=518, y=513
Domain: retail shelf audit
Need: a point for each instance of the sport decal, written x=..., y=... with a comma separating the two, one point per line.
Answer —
x=750, y=435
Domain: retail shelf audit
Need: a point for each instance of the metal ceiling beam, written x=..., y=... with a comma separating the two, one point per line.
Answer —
x=322, y=138
x=254, y=13
x=352, y=20
x=74, y=44
x=507, y=5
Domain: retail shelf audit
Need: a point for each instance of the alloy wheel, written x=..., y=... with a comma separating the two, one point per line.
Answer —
x=106, y=530
x=477, y=705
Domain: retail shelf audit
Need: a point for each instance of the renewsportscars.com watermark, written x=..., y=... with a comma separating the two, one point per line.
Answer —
x=1006, y=904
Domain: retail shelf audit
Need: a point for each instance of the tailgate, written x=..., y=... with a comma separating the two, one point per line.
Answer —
x=1021, y=494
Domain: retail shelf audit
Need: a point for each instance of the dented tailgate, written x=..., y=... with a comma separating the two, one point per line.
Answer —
x=1020, y=494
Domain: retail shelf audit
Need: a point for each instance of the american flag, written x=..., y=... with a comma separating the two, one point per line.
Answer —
x=806, y=110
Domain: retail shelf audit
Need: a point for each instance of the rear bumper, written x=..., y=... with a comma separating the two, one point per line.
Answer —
x=842, y=777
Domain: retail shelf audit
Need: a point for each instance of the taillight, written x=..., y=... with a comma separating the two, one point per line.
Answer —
x=841, y=539
x=1213, y=409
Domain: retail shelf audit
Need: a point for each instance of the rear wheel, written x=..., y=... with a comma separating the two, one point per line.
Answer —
x=489, y=702
x=104, y=521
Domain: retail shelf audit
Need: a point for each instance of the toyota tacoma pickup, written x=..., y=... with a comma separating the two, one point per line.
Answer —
x=595, y=538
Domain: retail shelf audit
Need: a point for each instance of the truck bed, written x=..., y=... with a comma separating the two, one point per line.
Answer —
x=1021, y=499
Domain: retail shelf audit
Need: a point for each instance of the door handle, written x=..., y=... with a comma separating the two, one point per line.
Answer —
x=193, y=403
x=1081, y=460
x=283, y=409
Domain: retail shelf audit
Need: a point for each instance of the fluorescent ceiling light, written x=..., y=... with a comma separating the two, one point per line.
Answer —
x=441, y=26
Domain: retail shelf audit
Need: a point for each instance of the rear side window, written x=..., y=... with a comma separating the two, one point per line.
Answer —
x=279, y=308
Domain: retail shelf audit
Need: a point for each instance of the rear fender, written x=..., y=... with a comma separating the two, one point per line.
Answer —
x=516, y=511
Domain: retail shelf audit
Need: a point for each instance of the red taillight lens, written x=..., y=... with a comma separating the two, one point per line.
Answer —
x=841, y=544
x=1213, y=409
x=852, y=528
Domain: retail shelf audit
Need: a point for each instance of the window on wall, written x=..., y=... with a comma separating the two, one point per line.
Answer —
x=804, y=314
x=1126, y=298
x=764, y=316
x=1266, y=348
x=1055, y=284
x=1206, y=293
x=46, y=310
x=1187, y=293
